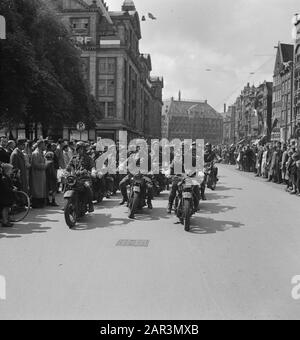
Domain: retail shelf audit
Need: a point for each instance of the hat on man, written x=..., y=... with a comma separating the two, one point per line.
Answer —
x=21, y=142
x=49, y=156
x=40, y=142
x=80, y=145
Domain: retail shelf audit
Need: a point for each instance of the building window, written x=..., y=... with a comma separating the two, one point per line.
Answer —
x=111, y=109
x=106, y=88
x=108, y=109
x=107, y=66
x=85, y=68
x=102, y=109
x=80, y=25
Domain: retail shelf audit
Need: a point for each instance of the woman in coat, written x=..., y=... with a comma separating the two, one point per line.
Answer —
x=17, y=160
x=38, y=176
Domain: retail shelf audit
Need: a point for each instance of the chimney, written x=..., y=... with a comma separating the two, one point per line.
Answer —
x=296, y=31
x=179, y=96
x=225, y=108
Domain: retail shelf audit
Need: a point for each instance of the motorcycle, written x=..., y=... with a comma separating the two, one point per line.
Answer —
x=185, y=202
x=137, y=195
x=98, y=183
x=103, y=185
x=158, y=182
x=76, y=205
x=210, y=172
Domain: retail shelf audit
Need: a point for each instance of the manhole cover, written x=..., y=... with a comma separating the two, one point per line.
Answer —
x=133, y=243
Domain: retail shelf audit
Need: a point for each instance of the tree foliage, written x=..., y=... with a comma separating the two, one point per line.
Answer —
x=41, y=78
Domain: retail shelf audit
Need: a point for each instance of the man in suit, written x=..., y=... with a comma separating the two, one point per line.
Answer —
x=11, y=145
x=4, y=155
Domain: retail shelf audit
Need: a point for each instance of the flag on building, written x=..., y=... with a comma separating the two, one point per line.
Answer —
x=151, y=16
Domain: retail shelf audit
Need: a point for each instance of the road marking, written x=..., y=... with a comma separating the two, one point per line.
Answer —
x=133, y=243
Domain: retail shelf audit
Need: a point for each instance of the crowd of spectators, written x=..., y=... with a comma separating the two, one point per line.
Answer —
x=37, y=166
x=275, y=162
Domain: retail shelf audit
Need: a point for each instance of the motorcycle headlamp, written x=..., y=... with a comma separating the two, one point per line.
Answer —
x=71, y=180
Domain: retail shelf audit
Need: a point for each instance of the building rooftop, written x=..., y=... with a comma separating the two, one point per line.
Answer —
x=187, y=109
x=128, y=5
x=287, y=52
x=99, y=4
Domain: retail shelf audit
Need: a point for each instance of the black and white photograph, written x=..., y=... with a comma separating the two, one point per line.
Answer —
x=149, y=162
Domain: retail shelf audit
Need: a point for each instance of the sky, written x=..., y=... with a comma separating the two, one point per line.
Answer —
x=232, y=38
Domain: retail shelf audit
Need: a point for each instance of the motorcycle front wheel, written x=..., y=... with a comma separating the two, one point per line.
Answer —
x=211, y=184
x=133, y=205
x=187, y=215
x=70, y=214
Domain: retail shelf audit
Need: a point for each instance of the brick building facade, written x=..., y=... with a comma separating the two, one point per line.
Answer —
x=282, y=93
x=192, y=120
x=250, y=116
x=118, y=74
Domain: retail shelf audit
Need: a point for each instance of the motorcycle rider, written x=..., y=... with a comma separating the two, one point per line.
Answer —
x=209, y=157
x=80, y=164
x=127, y=180
x=107, y=181
x=177, y=178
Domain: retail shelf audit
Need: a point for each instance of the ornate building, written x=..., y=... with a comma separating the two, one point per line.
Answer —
x=282, y=114
x=251, y=114
x=118, y=74
x=192, y=120
x=297, y=75
x=263, y=106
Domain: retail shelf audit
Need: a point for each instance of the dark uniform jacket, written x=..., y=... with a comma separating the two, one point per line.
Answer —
x=4, y=156
x=79, y=163
x=6, y=190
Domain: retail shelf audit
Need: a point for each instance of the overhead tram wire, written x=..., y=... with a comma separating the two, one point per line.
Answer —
x=247, y=80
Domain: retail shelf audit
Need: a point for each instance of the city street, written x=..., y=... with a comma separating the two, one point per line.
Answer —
x=237, y=262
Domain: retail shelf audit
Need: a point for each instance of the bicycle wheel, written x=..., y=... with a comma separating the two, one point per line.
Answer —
x=20, y=208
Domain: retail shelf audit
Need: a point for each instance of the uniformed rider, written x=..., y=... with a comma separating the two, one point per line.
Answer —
x=82, y=164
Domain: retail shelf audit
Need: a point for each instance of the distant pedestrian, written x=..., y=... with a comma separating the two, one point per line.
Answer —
x=51, y=180
x=284, y=159
x=60, y=155
x=38, y=176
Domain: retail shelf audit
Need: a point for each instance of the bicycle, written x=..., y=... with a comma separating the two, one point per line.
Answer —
x=20, y=208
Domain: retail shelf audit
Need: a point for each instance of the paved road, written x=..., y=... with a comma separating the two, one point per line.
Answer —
x=237, y=262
